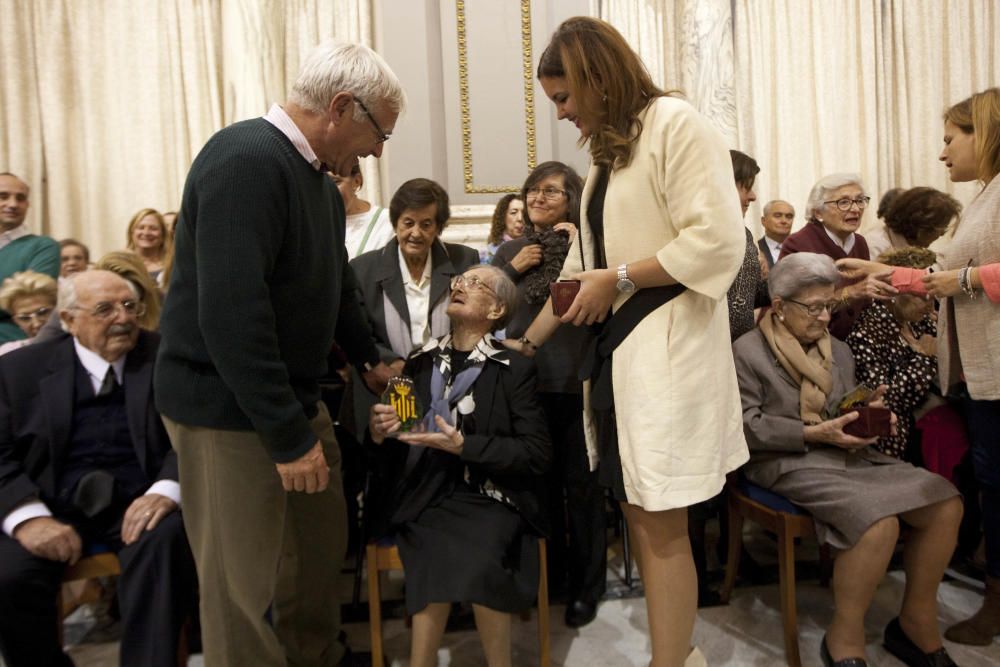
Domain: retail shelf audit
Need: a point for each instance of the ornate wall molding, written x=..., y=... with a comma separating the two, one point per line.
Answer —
x=529, y=101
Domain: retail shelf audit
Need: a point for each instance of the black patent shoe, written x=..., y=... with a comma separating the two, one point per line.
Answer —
x=901, y=646
x=580, y=612
x=824, y=654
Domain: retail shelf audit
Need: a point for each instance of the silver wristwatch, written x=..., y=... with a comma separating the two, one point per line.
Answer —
x=624, y=284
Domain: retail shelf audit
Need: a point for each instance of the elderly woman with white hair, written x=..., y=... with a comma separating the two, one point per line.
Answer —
x=792, y=375
x=836, y=205
x=466, y=486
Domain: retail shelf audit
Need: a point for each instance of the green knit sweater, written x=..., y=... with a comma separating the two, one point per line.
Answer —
x=259, y=290
x=38, y=253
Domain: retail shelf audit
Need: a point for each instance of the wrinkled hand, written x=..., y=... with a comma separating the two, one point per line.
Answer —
x=397, y=367
x=377, y=378
x=528, y=257
x=308, y=473
x=382, y=422
x=831, y=432
x=47, y=538
x=449, y=439
x=925, y=345
x=598, y=289
x=145, y=513
x=852, y=268
x=568, y=227
x=942, y=283
x=876, y=286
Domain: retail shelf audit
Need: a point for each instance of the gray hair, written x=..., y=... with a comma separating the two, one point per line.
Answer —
x=69, y=299
x=768, y=205
x=799, y=271
x=334, y=67
x=506, y=292
x=825, y=186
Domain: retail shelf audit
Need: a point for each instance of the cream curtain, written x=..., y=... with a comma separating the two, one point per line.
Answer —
x=822, y=87
x=103, y=105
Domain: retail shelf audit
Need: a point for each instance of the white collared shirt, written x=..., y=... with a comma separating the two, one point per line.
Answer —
x=774, y=247
x=96, y=368
x=280, y=119
x=847, y=245
x=418, y=300
x=7, y=237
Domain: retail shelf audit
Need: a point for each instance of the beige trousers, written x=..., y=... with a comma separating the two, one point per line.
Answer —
x=268, y=560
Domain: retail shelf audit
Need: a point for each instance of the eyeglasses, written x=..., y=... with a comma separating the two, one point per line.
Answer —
x=815, y=310
x=470, y=283
x=105, y=310
x=379, y=134
x=40, y=314
x=844, y=203
x=548, y=193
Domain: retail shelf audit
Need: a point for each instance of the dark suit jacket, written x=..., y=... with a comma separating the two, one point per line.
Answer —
x=813, y=238
x=36, y=416
x=506, y=438
x=762, y=244
x=378, y=274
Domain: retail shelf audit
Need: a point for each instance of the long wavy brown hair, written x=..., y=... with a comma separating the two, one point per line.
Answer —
x=608, y=81
x=980, y=114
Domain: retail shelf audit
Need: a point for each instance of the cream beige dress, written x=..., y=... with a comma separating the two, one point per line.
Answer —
x=676, y=397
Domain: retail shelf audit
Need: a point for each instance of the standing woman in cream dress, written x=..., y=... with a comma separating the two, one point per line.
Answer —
x=670, y=216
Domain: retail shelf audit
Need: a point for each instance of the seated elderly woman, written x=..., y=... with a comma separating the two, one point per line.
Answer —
x=916, y=218
x=404, y=284
x=792, y=374
x=834, y=210
x=894, y=343
x=466, y=491
x=30, y=298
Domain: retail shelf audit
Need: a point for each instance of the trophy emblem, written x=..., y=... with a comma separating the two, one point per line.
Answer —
x=401, y=395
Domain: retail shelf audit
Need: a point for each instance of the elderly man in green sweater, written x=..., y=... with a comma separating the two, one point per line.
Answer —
x=260, y=289
x=20, y=250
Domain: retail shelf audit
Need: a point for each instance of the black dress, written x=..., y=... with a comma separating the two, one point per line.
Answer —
x=467, y=526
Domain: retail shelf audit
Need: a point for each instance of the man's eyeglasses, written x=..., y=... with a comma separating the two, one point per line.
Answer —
x=844, y=203
x=40, y=314
x=815, y=310
x=105, y=310
x=548, y=193
x=379, y=134
x=470, y=283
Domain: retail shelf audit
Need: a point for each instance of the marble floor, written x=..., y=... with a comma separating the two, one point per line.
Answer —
x=747, y=632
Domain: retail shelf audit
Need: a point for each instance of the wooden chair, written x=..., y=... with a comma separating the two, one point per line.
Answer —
x=778, y=515
x=98, y=565
x=384, y=555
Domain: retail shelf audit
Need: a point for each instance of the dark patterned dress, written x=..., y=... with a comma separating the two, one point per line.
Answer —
x=748, y=291
x=883, y=357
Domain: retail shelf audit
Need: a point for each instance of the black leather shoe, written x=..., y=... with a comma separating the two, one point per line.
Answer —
x=901, y=646
x=580, y=612
x=824, y=654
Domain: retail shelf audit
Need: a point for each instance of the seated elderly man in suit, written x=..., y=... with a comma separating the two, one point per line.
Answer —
x=85, y=461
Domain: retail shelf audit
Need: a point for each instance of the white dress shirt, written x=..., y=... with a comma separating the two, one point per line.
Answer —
x=96, y=368
x=774, y=247
x=418, y=300
x=280, y=119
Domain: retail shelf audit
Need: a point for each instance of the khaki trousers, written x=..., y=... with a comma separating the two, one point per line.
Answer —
x=268, y=560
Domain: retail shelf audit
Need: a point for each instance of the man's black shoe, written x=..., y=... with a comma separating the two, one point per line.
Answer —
x=580, y=612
